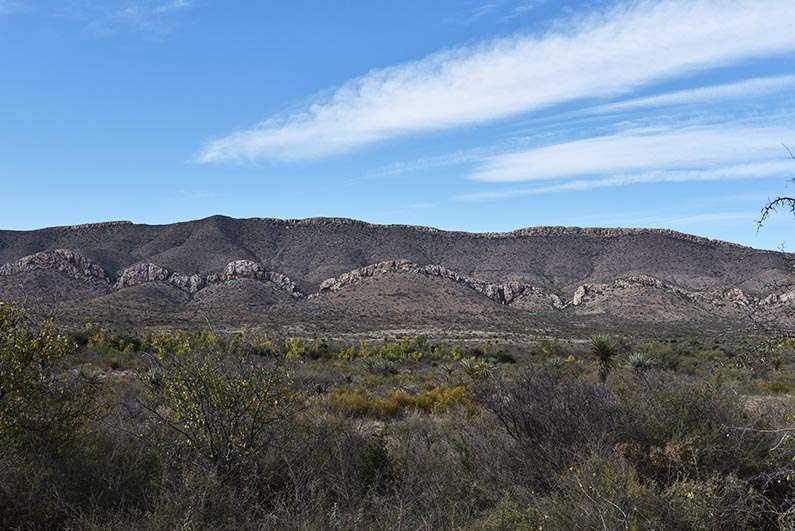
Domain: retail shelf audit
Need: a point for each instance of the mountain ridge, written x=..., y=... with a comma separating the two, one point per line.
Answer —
x=538, y=230
x=321, y=271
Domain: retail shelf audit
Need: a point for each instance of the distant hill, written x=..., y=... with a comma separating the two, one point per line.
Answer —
x=329, y=275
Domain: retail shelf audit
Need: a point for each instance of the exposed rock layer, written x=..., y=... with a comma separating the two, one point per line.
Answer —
x=76, y=266
x=501, y=293
x=63, y=261
x=502, y=278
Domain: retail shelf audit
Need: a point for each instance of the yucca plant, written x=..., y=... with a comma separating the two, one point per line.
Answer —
x=604, y=353
x=640, y=362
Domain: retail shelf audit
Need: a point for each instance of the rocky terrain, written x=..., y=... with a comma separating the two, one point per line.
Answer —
x=328, y=275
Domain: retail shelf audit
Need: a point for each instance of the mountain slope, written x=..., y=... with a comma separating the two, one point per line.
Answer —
x=322, y=273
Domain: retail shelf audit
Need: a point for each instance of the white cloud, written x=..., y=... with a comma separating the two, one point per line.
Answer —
x=712, y=217
x=602, y=55
x=484, y=9
x=687, y=148
x=151, y=17
x=9, y=6
x=762, y=169
x=665, y=218
x=738, y=90
x=173, y=5
x=525, y=7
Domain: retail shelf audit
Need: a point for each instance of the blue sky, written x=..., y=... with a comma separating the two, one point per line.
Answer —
x=480, y=115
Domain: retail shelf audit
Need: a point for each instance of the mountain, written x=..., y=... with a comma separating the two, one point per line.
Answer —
x=330, y=275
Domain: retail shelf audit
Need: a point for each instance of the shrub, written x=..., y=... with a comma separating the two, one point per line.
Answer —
x=604, y=352
x=246, y=343
x=551, y=417
x=775, y=387
x=376, y=471
x=476, y=369
x=724, y=500
x=551, y=349
x=220, y=409
x=675, y=429
x=293, y=348
x=40, y=408
x=640, y=362
x=600, y=491
x=432, y=401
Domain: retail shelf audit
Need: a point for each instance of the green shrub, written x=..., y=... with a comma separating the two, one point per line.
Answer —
x=551, y=349
x=723, y=501
x=775, y=387
x=41, y=409
x=476, y=369
x=376, y=466
x=604, y=353
x=221, y=409
x=600, y=492
x=676, y=429
x=294, y=348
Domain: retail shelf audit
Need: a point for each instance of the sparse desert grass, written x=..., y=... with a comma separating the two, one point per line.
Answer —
x=207, y=431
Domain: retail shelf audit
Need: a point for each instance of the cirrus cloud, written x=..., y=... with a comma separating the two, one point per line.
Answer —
x=684, y=148
x=602, y=55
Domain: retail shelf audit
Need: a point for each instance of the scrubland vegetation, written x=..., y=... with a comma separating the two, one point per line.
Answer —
x=244, y=431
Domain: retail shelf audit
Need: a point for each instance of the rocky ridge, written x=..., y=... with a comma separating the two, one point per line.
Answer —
x=63, y=261
x=501, y=293
x=598, y=232
x=74, y=265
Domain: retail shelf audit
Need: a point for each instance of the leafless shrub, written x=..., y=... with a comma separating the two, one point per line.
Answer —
x=551, y=418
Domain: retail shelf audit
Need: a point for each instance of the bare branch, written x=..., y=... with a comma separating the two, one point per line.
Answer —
x=772, y=206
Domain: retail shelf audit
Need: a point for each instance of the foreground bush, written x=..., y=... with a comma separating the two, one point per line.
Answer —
x=551, y=417
x=222, y=410
x=41, y=409
x=217, y=434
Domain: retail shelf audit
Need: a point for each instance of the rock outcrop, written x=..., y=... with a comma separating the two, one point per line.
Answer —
x=253, y=270
x=501, y=293
x=518, y=275
x=65, y=261
x=780, y=298
x=147, y=272
x=596, y=232
x=76, y=266
x=190, y=283
x=590, y=293
x=98, y=226
x=141, y=274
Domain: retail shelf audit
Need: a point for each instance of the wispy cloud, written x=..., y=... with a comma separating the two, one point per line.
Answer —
x=665, y=219
x=686, y=148
x=9, y=6
x=766, y=169
x=484, y=9
x=513, y=8
x=152, y=17
x=525, y=7
x=602, y=55
x=711, y=217
x=458, y=158
x=748, y=88
x=173, y=5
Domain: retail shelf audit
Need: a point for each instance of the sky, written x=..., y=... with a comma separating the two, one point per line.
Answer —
x=477, y=115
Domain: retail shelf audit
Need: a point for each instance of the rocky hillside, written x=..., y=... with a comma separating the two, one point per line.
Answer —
x=340, y=274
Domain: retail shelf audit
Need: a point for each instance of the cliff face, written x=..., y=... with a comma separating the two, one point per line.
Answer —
x=328, y=267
